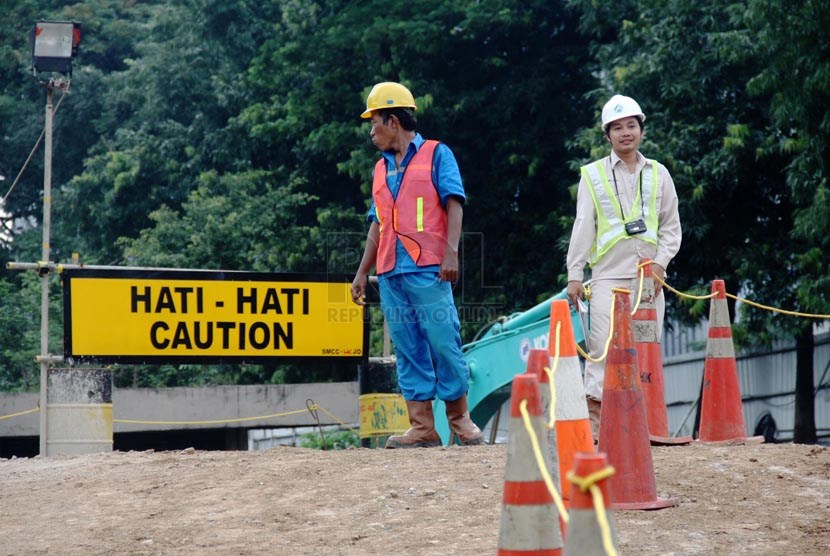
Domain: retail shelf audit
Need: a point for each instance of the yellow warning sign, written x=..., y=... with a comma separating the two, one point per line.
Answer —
x=172, y=315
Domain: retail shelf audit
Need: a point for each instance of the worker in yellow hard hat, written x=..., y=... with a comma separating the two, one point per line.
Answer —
x=415, y=227
x=626, y=210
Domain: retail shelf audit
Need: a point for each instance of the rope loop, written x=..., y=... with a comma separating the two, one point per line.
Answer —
x=589, y=483
x=585, y=483
x=642, y=274
x=607, y=342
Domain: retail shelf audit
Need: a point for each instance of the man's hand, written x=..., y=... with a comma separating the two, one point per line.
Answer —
x=659, y=274
x=358, y=288
x=449, y=266
x=575, y=292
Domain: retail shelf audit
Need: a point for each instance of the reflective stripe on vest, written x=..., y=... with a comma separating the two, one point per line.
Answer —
x=610, y=224
x=417, y=218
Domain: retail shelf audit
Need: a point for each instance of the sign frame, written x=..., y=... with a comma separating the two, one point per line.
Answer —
x=71, y=357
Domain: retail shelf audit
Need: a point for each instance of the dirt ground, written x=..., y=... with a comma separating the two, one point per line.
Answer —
x=761, y=500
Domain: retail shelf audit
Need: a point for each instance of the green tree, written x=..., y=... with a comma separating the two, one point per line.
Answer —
x=677, y=58
x=147, y=115
x=202, y=133
x=690, y=66
x=496, y=81
x=792, y=45
x=162, y=119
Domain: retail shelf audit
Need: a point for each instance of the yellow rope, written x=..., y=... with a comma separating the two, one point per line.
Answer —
x=212, y=422
x=552, y=421
x=588, y=483
x=681, y=294
x=540, y=461
x=607, y=342
x=747, y=301
x=330, y=414
x=35, y=410
x=774, y=310
x=639, y=289
x=633, y=311
x=551, y=373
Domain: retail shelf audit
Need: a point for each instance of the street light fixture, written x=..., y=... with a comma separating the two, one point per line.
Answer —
x=54, y=44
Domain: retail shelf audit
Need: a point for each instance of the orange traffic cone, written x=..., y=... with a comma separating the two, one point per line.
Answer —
x=650, y=363
x=529, y=518
x=588, y=534
x=623, y=432
x=537, y=360
x=573, y=428
x=721, y=408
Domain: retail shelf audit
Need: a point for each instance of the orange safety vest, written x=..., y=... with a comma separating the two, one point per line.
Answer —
x=416, y=216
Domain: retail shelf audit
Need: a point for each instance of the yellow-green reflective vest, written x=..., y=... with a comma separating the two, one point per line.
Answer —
x=610, y=222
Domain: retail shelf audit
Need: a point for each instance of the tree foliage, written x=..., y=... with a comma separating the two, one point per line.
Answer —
x=214, y=134
x=738, y=101
x=688, y=66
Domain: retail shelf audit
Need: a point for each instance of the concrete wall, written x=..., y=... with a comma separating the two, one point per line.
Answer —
x=216, y=403
x=26, y=425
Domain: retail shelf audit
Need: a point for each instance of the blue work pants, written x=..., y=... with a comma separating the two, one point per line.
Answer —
x=423, y=324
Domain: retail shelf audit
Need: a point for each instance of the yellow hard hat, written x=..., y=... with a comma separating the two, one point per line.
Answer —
x=388, y=95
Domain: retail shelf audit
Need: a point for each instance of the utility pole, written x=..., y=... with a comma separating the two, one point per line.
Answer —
x=54, y=44
x=44, y=273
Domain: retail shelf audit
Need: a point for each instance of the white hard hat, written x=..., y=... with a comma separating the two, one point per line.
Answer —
x=620, y=107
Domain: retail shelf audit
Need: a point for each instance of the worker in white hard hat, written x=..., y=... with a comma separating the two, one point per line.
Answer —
x=415, y=226
x=626, y=210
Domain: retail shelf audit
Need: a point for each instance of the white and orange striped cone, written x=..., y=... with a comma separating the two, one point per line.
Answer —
x=650, y=363
x=591, y=530
x=529, y=518
x=537, y=361
x=573, y=427
x=721, y=407
x=623, y=430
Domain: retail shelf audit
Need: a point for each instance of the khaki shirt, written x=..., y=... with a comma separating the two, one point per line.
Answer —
x=621, y=261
